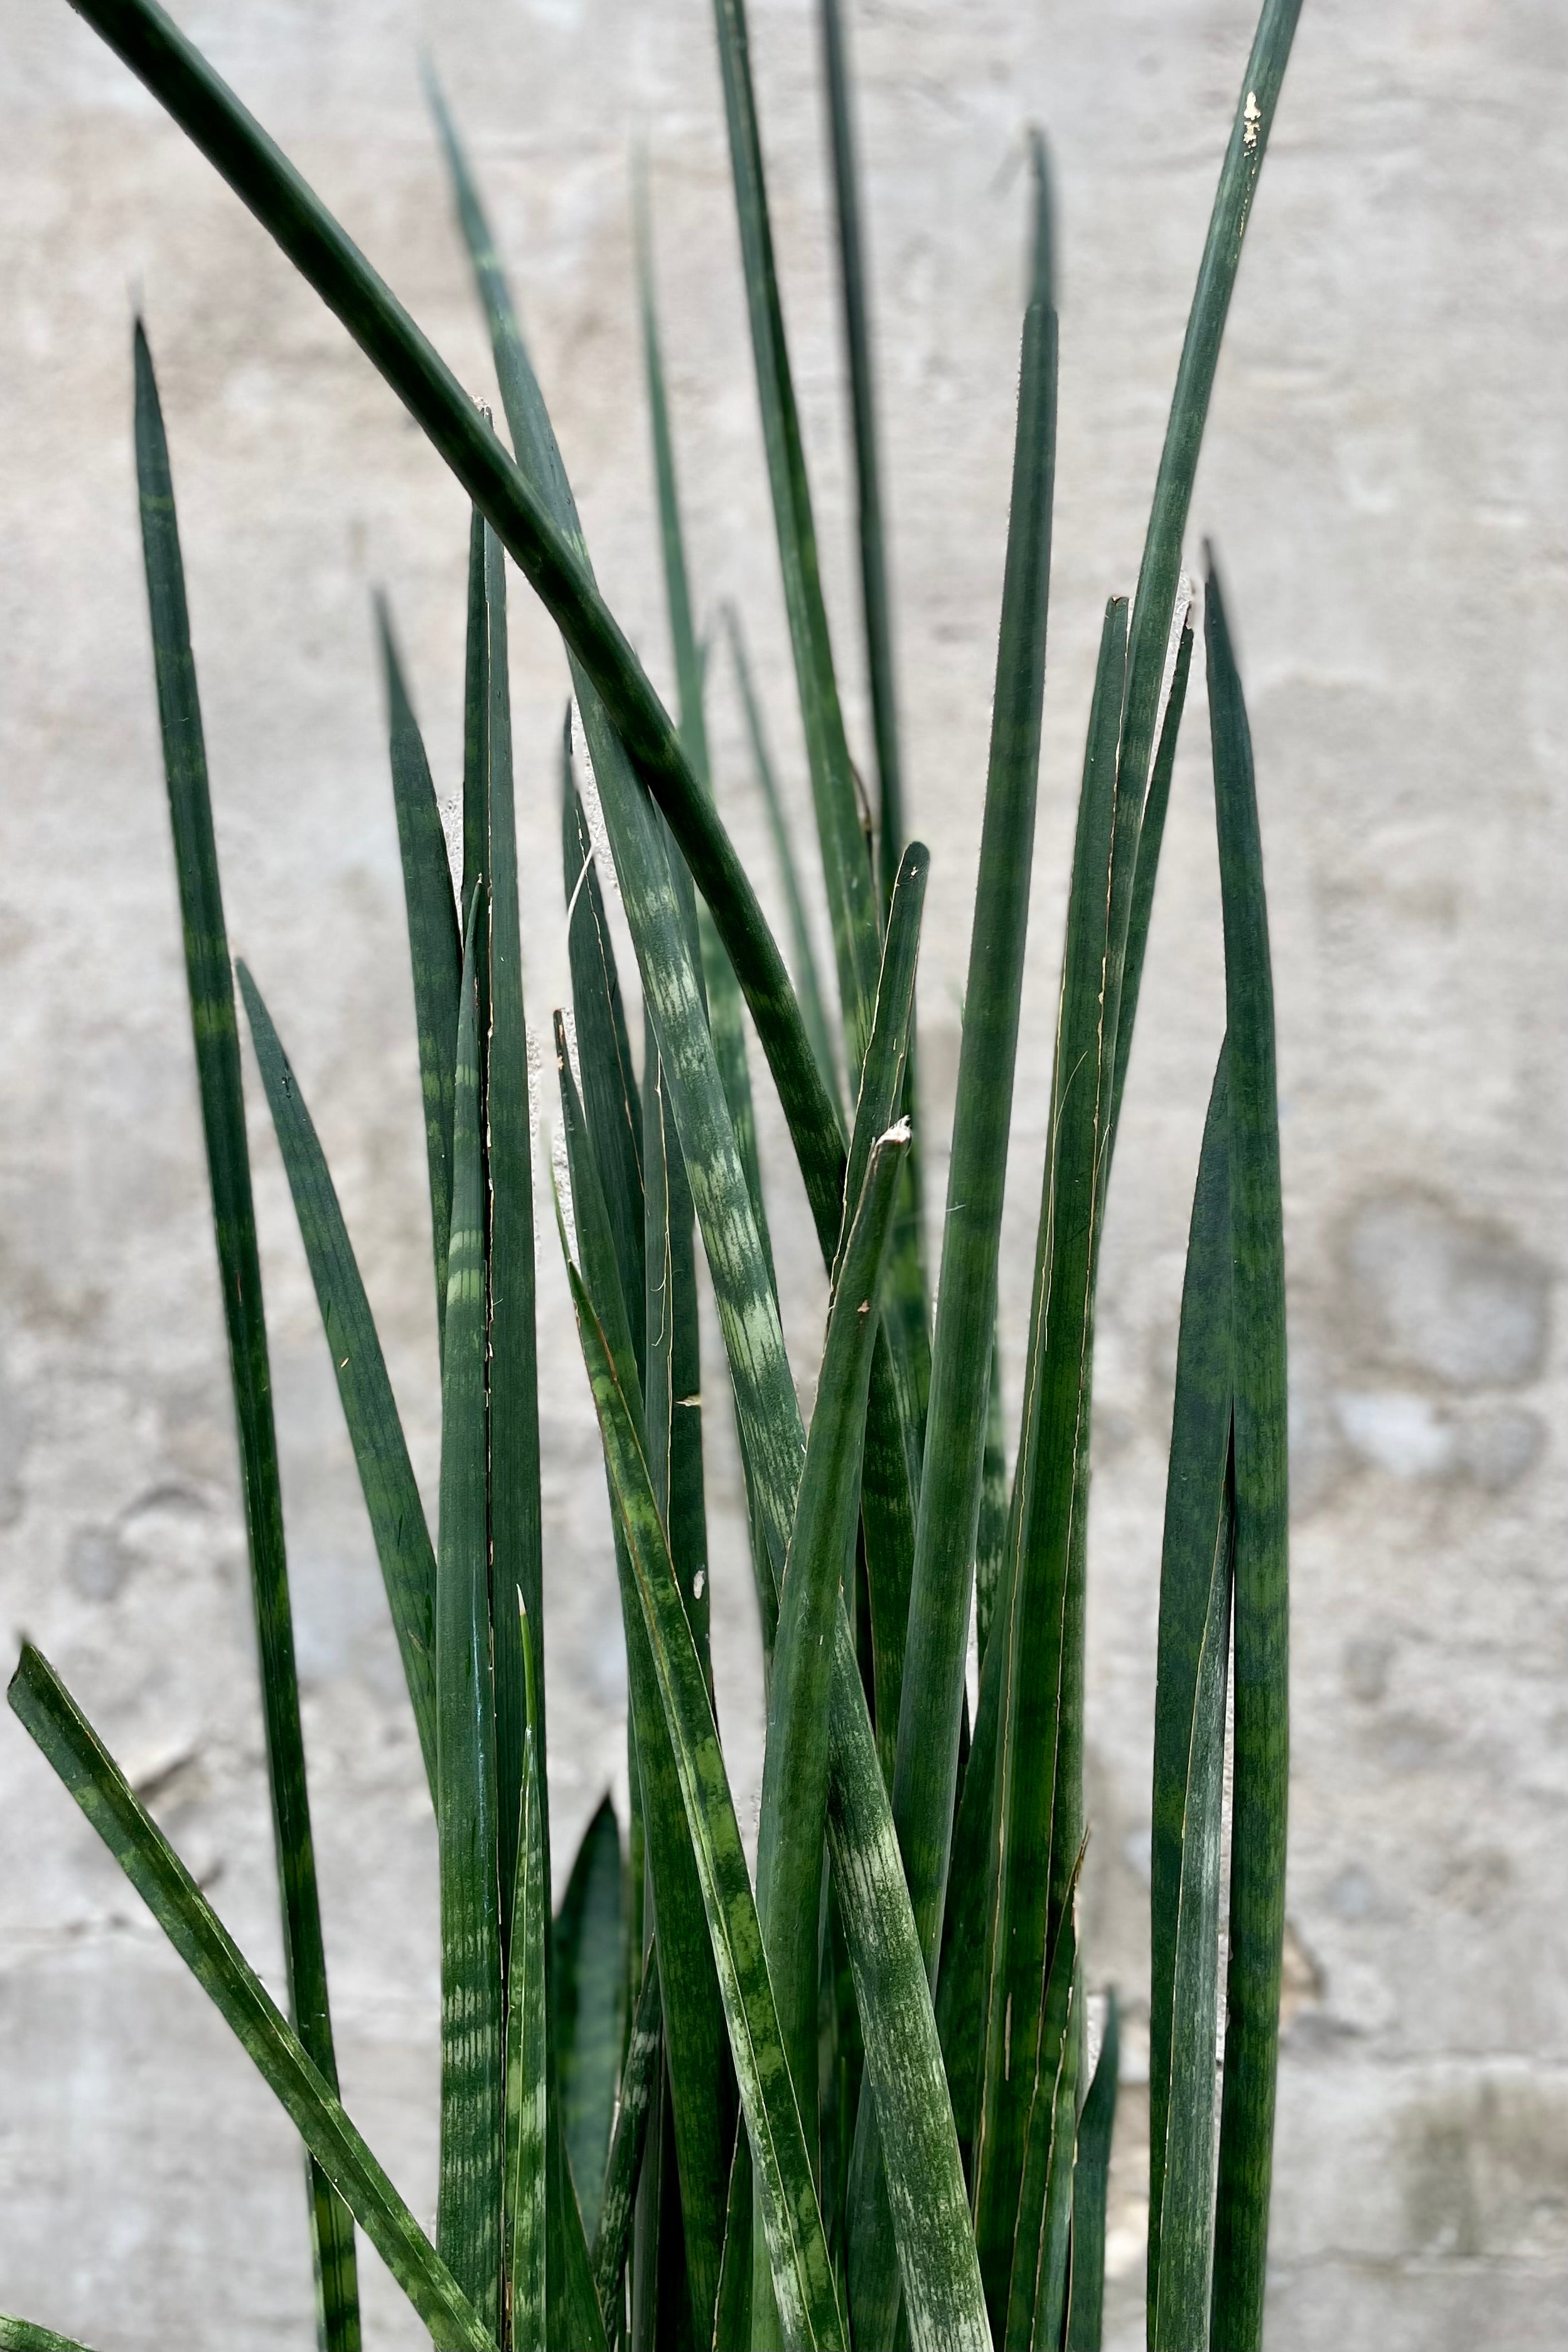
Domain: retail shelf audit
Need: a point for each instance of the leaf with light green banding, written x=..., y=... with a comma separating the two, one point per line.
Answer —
x=672, y=1382
x=846, y=868
x=795, y=1770
x=611, y=1096
x=215, y=1033
x=468, y=2210
x=515, y=1527
x=1037, y=1828
x=435, y=941
x=732, y=2319
x=638, y=2069
x=932, y=1697
x=1036, y=2298
x=693, y=2017
x=24, y=2336
x=588, y=1999
x=724, y=1017
x=200, y=103
x=1260, y=1573
x=548, y=551
x=381, y=1453
x=886, y=1501
x=802, y=2272
x=523, y=2186
x=43, y=1705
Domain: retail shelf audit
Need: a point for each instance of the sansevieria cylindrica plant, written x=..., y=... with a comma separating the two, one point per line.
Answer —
x=847, y=2093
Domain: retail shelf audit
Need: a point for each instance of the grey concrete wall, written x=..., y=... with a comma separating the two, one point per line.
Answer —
x=1385, y=478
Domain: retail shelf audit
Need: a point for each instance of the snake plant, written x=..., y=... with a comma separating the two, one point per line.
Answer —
x=850, y=2092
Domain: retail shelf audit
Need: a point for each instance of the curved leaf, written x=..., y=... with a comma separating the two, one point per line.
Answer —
x=43, y=1705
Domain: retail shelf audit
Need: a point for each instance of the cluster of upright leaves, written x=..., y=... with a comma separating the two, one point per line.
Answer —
x=850, y=2102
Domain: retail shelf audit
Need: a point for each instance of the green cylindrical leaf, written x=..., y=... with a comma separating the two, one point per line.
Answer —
x=924, y=1785
x=435, y=942
x=381, y=1453
x=1261, y=1574
x=469, y=2217
x=216, y=1040
x=43, y=1705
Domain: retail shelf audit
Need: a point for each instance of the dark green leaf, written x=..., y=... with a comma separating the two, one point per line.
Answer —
x=802, y=2276
x=468, y=2212
x=524, y=2180
x=1036, y=2299
x=932, y=1693
x=527, y=521
x=1090, y=2185
x=808, y=984
x=610, y=1095
x=43, y=1705
x=638, y=2070
x=1261, y=1571
x=672, y=1387
x=795, y=1770
x=589, y=1985
x=875, y=602
x=891, y=1442
x=1150, y=833
x=724, y=1015
x=216, y=1041
x=381, y=1454
x=515, y=1541
x=732, y=2319
x=846, y=868
x=1189, y=1748
x=991, y=1531
x=1038, y=1829
x=693, y=2016
x=1160, y=571
x=435, y=942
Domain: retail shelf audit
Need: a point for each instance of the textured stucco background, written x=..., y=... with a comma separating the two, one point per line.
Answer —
x=1385, y=479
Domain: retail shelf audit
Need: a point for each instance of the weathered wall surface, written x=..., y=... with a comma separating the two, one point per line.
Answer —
x=1385, y=479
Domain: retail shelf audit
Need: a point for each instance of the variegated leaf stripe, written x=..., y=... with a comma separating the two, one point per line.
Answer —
x=637, y=2071
x=527, y=2061
x=43, y=1705
x=803, y=2274
x=468, y=2209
